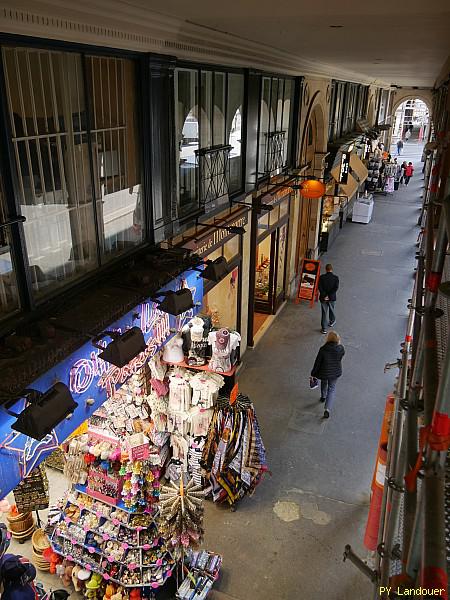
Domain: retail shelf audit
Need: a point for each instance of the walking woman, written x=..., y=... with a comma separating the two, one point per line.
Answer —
x=327, y=367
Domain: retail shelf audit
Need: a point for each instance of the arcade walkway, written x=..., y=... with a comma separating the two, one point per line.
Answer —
x=287, y=541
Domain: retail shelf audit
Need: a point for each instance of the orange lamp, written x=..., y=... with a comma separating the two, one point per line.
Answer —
x=312, y=188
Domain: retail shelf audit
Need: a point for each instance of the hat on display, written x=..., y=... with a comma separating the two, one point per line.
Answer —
x=17, y=569
x=222, y=338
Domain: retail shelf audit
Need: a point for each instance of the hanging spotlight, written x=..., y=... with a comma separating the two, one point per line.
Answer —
x=176, y=303
x=44, y=411
x=123, y=348
x=230, y=228
x=215, y=270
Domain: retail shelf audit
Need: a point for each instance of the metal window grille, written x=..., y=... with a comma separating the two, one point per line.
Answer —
x=214, y=173
x=47, y=116
x=71, y=163
x=275, y=151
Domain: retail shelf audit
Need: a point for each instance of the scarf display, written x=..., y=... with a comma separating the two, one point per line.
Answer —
x=234, y=457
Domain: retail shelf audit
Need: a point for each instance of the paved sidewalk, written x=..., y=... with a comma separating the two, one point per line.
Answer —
x=287, y=542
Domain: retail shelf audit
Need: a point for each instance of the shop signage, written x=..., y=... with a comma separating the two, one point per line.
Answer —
x=91, y=381
x=216, y=237
x=344, y=168
x=309, y=281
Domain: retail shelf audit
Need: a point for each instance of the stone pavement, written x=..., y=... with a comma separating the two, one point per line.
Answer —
x=287, y=542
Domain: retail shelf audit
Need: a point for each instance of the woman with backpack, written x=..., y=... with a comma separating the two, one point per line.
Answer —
x=327, y=367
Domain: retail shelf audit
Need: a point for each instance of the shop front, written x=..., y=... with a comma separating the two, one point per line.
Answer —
x=345, y=184
x=222, y=299
x=268, y=269
x=141, y=446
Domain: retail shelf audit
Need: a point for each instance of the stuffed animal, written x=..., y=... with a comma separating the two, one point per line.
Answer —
x=67, y=575
x=118, y=595
x=109, y=591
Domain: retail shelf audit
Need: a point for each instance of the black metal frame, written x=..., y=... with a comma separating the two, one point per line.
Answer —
x=254, y=241
x=8, y=168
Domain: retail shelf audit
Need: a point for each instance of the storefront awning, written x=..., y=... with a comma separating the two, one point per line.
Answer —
x=346, y=189
x=359, y=171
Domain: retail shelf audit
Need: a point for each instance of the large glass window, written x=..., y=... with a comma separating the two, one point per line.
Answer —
x=275, y=122
x=235, y=117
x=209, y=115
x=9, y=298
x=62, y=171
x=112, y=84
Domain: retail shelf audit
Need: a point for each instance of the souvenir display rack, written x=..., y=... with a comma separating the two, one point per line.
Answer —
x=203, y=569
x=112, y=540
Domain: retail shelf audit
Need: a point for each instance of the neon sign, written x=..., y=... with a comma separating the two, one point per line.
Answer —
x=90, y=377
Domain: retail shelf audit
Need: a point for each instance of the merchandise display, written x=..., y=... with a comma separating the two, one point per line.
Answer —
x=120, y=532
x=234, y=457
x=32, y=492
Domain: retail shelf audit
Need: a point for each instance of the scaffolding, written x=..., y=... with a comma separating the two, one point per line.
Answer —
x=413, y=549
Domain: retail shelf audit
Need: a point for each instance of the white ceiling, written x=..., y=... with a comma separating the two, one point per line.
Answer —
x=405, y=43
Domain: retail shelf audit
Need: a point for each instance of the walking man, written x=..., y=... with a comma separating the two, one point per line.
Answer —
x=399, y=147
x=328, y=286
x=409, y=170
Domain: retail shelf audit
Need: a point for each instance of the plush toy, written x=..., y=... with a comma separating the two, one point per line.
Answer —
x=109, y=592
x=135, y=594
x=67, y=575
x=118, y=595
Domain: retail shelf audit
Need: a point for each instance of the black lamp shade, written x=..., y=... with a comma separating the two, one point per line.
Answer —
x=176, y=303
x=124, y=347
x=41, y=416
x=216, y=270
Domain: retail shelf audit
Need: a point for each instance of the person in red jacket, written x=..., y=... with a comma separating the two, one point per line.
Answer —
x=409, y=170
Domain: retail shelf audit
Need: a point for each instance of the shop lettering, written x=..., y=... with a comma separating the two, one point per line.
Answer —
x=206, y=245
x=154, y=324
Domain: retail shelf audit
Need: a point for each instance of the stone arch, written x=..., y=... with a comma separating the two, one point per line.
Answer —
x=314, y=138
x=405, y=95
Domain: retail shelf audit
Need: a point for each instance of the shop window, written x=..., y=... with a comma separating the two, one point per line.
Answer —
x=221, y=302
x=47, y=111
x=62, y=171
x=112, y=83
x=274, y=125
x=209, y=126
x=187, y=126
x=234, y=129
x=9, y=298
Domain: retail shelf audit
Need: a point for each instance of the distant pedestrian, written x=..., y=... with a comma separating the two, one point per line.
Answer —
x=403, y=167
x=409, y=170
x=327, y=367
x=398, y=174
x=407, y=135
x=399, y=147
x=328, y=286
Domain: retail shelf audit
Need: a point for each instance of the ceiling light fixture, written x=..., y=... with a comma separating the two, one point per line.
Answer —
x=44, y=411
x=335, y=26
x=123, y=348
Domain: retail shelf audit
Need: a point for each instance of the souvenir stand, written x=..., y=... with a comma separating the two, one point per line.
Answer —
x=376, y=179
x=113, y=525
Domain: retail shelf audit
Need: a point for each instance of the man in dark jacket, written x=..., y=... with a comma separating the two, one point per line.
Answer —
x=328, y=286
x=327, y=367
